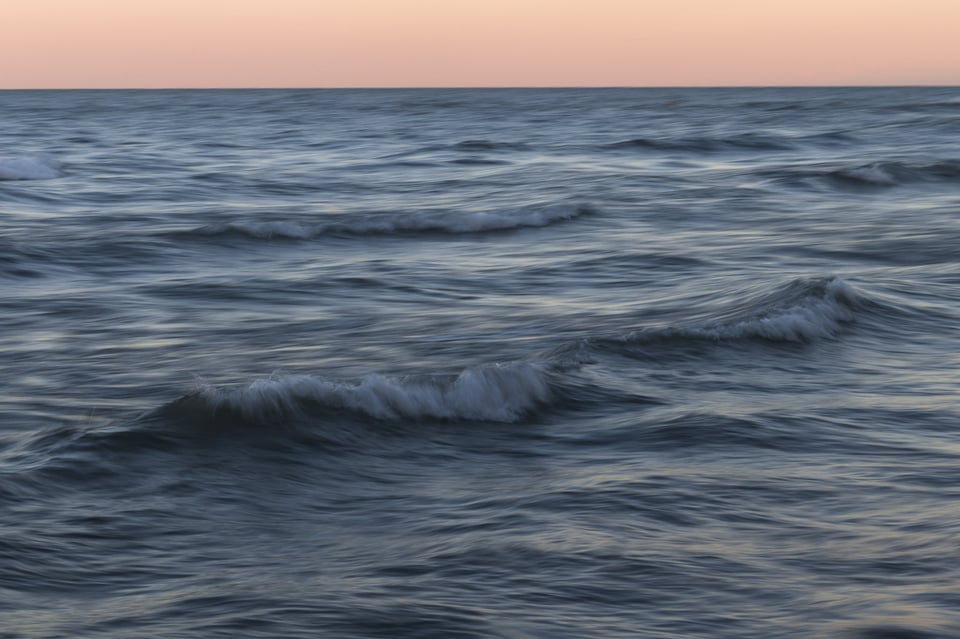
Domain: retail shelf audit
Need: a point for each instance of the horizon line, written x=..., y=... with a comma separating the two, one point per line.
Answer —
x=489, y=87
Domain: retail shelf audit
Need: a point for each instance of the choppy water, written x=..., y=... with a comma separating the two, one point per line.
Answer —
x=517, y=364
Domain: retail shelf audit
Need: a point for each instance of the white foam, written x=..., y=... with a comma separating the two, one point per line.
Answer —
x=29, y=167
x=500, y=393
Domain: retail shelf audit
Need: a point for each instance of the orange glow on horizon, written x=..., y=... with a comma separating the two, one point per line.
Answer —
x=385, y=43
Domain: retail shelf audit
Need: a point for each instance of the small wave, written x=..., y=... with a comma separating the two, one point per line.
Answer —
x=495, y=393
x=873, y=174
x=752, y=142
x=17, y=262
x=29, y=167
x=947, y=105
x=489, y=145
x=474, y=149
x=802, y=311
x=897, y=631
x=397, y=223
x=887, y=174
x=696, y=429
x=830, y=138
x=478, y=162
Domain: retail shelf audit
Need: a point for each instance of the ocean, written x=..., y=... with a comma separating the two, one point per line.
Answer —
x=470, y=364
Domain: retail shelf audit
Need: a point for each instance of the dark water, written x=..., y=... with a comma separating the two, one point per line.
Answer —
x=461, y=364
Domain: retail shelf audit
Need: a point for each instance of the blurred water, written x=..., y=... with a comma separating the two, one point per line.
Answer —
x=480, y=363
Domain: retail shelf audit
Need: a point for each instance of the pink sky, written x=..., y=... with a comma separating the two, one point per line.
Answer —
x=391, y=43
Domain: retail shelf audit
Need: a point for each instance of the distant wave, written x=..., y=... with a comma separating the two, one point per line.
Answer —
x=472, y=151
x=481, y=161
x=943, y=105
x=830, y=138
x=748, y=141
x=396, y=223
x=489, y=145
x=895, y=173
x=495, y=393
x=802, y=311
x=29, y=167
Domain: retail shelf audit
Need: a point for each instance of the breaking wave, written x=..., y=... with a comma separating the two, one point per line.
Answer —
x=495, y=393
x=802, y=311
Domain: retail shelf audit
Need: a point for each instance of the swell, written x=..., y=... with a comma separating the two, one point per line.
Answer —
x=394, y=224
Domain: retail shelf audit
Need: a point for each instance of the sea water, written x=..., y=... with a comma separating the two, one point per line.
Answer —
x=453, y=364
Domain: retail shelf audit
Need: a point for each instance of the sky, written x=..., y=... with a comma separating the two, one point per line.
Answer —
x=469, y=43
